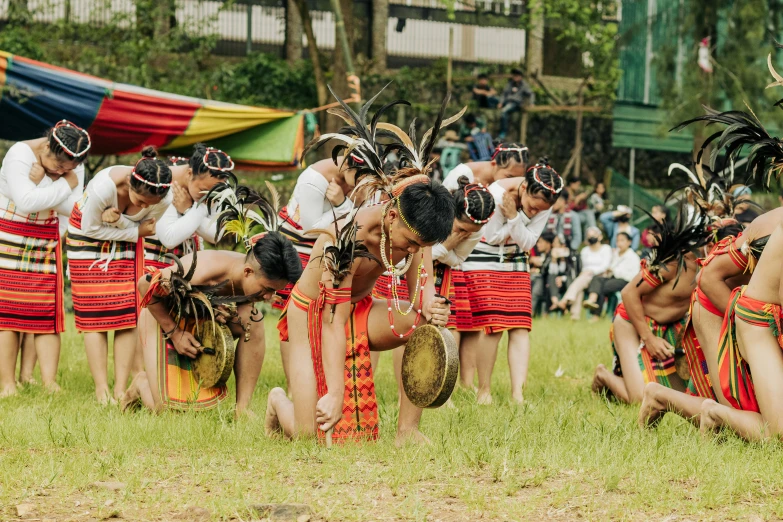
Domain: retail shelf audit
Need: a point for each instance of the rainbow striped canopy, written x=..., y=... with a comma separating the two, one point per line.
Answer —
x=122, y=118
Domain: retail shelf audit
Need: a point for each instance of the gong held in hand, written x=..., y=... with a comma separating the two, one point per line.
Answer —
x=213, y=366
x=430, y=366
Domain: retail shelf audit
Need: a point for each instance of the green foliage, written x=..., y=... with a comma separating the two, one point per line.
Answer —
x=580, y=25
x=267, y=80
x=742, y=35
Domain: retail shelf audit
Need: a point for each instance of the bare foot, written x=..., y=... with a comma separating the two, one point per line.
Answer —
x=484, y=398
x=450, y=404
x=104, y=398
x=411, y=436
x=652, y=410
x=53, y=387
x=8, y=391
x=271, y=422
x=710, y=420
x=28, y=381
x=132, y=397
x=590, y=305
x=517, y=399
x=598, y=382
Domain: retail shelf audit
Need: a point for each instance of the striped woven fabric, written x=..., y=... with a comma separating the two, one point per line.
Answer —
x=304, y=247
x=155, y=252
x=31, y=279
x=700, y=384
x=736, y=381
x=727, y=246
x=179, y=390
x=360, y=404
x=663, y=372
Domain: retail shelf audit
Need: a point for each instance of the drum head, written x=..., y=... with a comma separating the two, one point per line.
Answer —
x=212, y=370
x=430, y=366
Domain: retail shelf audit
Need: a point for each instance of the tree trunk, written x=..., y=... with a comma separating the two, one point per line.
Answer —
x=380, y=22
x=340, y=80
x=534, y=53
x=312, y=48
x=293, y=32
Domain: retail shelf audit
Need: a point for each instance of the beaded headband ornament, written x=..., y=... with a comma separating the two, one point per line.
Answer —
x=227, y=168
x=399, y=188
x=478, y=187
x=537, y=179
x=499, y=149
x=177, y=159
x=150, y=183
x=66, y=123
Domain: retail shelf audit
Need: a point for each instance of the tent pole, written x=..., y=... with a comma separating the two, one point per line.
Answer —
x=632, y=178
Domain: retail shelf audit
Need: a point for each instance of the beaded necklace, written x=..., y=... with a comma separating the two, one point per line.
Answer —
x=421, y=278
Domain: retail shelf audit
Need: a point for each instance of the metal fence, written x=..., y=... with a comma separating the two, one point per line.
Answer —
x=235, y=24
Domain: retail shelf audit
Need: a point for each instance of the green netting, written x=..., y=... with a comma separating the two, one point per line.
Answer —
x=620, y=190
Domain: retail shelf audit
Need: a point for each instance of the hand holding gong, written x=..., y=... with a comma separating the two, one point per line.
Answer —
x=438, y=311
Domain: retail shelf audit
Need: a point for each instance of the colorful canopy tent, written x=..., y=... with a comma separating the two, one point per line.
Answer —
x=122, y=119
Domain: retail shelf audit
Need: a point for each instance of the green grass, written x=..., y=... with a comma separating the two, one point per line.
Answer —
x=566, y=454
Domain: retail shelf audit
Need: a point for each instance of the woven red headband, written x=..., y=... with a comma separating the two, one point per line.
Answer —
x=398, y=188
x=149, y=183
x=537, y=178
x=478, y=187
x=227, y=168
x=65, y=123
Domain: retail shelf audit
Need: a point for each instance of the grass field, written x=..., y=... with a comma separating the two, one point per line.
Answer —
x=566, y=454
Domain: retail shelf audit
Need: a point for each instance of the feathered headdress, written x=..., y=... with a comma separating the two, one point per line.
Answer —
x=185, y=300
x=687, y=234
x=357, y=139
x=240, y=209
x=707, y=190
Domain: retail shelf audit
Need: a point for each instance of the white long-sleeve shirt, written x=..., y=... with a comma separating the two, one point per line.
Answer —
x=31, y=202
x=308, y=206
x=454, y=258
x=174, y=228
x=625, y=266
x=101, y=193
x=520, y=230
x=596, y=261
x=451, y=181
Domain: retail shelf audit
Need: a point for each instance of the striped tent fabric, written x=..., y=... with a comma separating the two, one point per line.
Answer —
x=123, y=119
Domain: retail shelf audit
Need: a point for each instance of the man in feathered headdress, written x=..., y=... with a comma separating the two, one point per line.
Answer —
x=212, y=285
x=331, y=319
x=653, y=313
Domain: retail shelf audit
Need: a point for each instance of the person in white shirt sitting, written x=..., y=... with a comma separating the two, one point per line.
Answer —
x=624, y=267
x=596, y=259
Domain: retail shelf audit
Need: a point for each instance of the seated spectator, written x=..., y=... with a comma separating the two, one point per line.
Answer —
x=471, y=124
x=622, y=223
x=565, y=222
x=596, y=203
x=624, y=267
x=485, y=95
x=540, y=260
x=516, y=94
x=596, y=259
x=649, y=239
x=561, y=270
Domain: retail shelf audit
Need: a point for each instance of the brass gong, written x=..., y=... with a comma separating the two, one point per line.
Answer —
x=214, y=365
x=430, y=366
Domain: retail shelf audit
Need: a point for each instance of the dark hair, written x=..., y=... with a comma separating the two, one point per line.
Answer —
x=626, y=235
x=747, y=215
x=547, y=236
x=429, y=209
x=574, y=180
x=482, y=76
x=277, y=257
x=516, y=71
x=155, y=174
x=504, y=157
x=206, y=160
x=469, y=118
x=732, y=229
x=563, y=195
x=622, y=218
x=666, y=212
x=480, y=202
x=542, y=180
x=178, y=161
x=75, y=139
